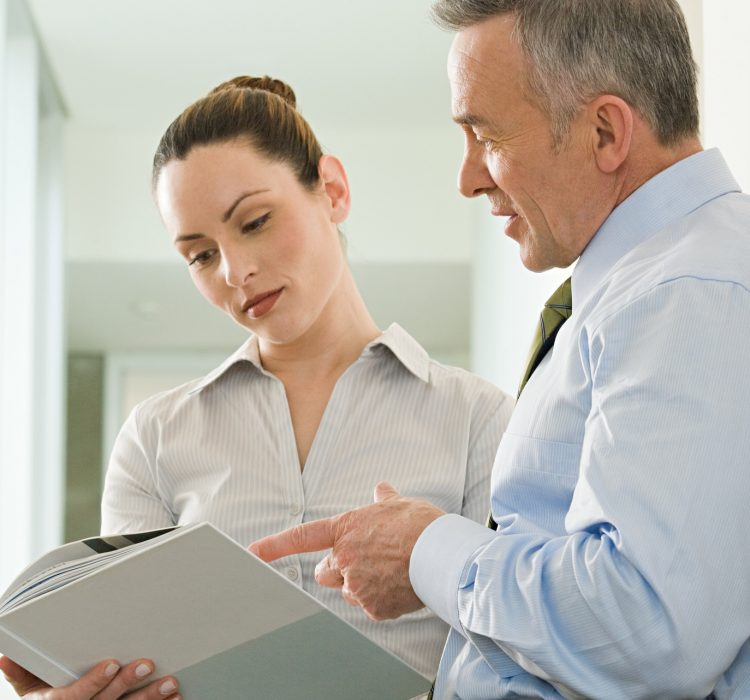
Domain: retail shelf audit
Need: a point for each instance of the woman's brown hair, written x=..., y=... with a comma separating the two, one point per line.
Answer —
x=261, y=111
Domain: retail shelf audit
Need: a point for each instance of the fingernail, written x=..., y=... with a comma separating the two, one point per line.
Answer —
x=142, y=671
x=111, y=670
x=167, y=687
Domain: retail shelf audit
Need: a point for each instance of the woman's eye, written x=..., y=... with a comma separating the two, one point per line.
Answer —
x=255, y=224
x=202, y=258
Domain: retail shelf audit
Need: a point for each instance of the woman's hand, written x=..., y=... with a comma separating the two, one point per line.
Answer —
x=106, y=681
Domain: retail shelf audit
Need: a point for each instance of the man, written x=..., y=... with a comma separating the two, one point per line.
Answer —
x=620, y=567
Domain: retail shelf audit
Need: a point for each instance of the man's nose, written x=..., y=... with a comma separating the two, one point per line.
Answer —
x=473, y=177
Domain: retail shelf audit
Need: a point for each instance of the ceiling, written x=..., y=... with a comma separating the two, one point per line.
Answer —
x=138, y=62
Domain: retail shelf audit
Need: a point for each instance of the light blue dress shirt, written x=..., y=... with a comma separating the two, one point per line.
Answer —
x=621, y=566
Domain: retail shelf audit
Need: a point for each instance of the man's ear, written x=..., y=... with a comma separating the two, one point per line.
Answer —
x=336, y=187
x=611, y=121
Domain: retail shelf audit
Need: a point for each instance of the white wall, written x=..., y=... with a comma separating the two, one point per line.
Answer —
x=693, y=11
x=404, y=201
x=726, y=71
x=31, y=343
x=31, y=306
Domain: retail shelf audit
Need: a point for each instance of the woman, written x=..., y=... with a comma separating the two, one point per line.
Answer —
x=318, y=405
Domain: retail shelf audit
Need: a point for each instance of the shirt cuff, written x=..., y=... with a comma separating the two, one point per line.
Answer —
x=439, y=559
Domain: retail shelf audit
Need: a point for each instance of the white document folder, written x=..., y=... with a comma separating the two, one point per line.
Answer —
x=225, y=623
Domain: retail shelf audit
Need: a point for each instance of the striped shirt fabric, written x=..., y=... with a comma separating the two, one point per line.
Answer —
x=222, y=449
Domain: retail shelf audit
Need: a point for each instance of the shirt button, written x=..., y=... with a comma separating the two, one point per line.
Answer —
x=296, y=509
x=292, y=574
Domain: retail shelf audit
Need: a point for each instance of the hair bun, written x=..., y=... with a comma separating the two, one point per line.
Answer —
x=277, y=87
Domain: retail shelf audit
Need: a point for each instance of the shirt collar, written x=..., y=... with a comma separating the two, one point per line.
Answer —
x=665, y=198
x=407, y=350
x=247, y=352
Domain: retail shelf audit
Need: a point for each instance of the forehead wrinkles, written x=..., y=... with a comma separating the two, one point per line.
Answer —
x=471, y=82
x=487, y=72
x=485, y=67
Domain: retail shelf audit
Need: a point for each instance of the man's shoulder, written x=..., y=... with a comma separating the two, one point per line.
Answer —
x=712, y=242
x=710, y=246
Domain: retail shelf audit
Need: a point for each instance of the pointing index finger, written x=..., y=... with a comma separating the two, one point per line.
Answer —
x=305, y=537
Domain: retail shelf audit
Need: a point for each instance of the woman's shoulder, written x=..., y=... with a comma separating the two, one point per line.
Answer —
x=446, y=378
x=467, y=384
x=162, y=404
x=168, y=401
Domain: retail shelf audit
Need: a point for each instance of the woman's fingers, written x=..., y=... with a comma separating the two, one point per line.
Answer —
x=88, y=685
x=161, y=689
x=20, y=679
x=122, y=680
x=134, y=674
x=29, y=687
x=105, y=681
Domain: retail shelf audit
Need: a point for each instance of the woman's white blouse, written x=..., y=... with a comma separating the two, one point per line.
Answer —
x=222, y=449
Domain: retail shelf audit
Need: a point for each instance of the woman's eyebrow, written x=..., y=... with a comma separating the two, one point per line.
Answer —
x=224, y=218
x=188, y=237
x=244, y=195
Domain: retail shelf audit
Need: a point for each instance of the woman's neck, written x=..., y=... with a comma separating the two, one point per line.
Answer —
x=330, y=345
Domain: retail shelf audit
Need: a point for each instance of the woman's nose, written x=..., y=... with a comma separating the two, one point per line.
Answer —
x=239, y=264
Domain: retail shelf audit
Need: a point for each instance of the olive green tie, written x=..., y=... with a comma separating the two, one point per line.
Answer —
x=556, y=311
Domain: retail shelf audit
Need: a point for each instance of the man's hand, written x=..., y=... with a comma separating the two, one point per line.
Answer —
x=370, y=551
x=106, y=681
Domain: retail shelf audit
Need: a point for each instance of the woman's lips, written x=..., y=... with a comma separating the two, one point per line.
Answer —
x=262, y=304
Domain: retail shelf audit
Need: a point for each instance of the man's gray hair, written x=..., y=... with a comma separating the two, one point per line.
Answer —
x=576, y=50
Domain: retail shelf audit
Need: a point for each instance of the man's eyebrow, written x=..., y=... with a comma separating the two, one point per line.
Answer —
x=469, y=120
x=244, y=195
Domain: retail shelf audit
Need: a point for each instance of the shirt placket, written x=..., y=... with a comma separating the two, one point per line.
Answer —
x=294, y=503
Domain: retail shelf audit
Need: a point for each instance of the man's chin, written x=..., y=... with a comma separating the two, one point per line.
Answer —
x=532, y=262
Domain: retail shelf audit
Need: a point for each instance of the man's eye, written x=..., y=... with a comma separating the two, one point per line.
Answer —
x=486, y=143
x=202, y=258
x=255, y=224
